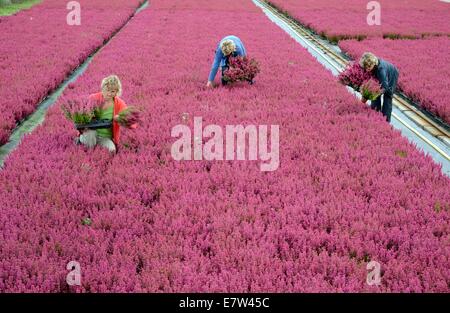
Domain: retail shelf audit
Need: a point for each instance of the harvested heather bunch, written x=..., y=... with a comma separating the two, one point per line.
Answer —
x=370, y=89
x=241, y=69
x=80, y=110
x=354, y=76
x=129, y=117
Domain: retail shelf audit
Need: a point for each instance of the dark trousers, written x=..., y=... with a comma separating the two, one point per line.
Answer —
x=387, y=102
x=224, y=68
x=387, y=106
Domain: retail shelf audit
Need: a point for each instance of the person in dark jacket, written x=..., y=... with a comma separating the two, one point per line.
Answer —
x=387, y=75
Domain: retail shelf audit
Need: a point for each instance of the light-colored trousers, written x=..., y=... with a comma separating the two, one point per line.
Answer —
x=89, y=138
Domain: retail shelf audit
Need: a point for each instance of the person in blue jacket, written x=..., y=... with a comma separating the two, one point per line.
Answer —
x=387, y=75
x=228, y=46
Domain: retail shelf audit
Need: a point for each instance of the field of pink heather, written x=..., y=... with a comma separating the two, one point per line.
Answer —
x=348, y=18
x=423, y=65
x=39, y=49
x=349, y=188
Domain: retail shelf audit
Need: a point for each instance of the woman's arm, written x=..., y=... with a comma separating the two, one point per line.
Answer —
x=218, y=57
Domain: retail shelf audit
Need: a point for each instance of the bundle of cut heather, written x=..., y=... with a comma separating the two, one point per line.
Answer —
x=354, y=76
x=80, y=110
x=370, y=89
x=241, y=69
x=129, y=117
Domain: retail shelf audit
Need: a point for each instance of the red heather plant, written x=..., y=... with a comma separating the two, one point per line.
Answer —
x=354, y=75
x=370, y=89
x=129, y=117
x=241, y=69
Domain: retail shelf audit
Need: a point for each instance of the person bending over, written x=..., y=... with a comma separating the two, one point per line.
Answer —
x=387, y=75
x=228, y=46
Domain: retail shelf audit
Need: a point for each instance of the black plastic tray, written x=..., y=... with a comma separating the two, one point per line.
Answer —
x=95, y=125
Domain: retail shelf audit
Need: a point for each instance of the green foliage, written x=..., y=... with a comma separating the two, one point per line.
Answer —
x=86, y=221
x=401, y=153
x=13, y=8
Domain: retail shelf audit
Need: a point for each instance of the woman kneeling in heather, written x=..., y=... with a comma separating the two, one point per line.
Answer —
x=110, y=105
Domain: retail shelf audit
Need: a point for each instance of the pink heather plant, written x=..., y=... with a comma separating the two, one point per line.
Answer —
x=241, y=69
x=410, y=19
x=349, y=189
x=354, y=75
x=371, y=89
x=39, y=50
x=129, y=117
x=81, y=110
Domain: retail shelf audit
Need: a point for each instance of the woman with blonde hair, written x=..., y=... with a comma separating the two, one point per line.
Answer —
x=387, y=75
x=228, y=46
x=110, y=106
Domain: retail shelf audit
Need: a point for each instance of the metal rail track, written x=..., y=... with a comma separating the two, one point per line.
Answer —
x=339, y=61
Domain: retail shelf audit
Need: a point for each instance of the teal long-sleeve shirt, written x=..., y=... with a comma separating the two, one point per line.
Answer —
x=220, y=58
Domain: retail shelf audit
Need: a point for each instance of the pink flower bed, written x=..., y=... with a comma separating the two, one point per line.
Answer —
x=38, y=50
x=349, y=189
x=423, y=65
x=348, y=18
x=354, y=75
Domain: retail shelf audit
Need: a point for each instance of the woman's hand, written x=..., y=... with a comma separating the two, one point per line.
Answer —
x=116, y=117
x=209, y=84
x=81, y=131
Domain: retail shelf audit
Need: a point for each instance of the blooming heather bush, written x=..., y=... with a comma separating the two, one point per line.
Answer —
x=348, y=18
x=38, y=50
x=349, y=189
x=371, y=89
x=424, y=77
x=241, y=69
x=81, y=110
x=129, y=117
x=354, y=75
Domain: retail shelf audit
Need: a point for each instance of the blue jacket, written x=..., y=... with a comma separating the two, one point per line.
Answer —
x=387, y=75
x=220, y=59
